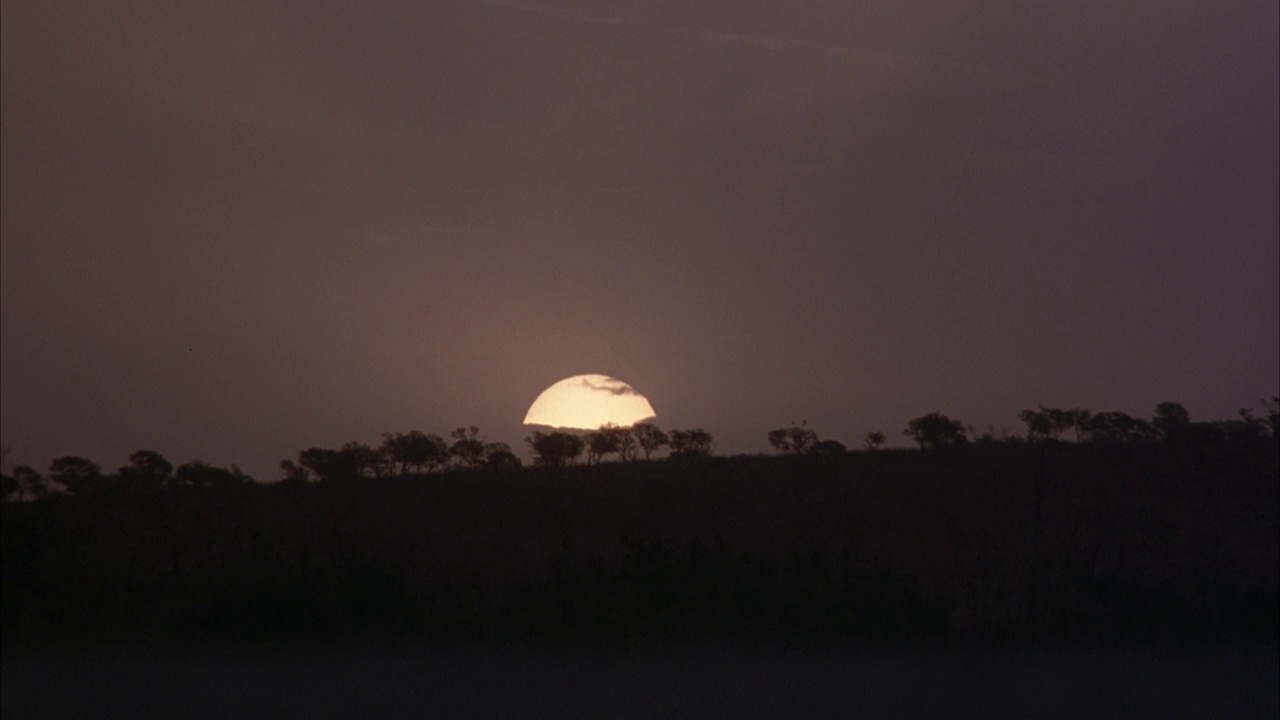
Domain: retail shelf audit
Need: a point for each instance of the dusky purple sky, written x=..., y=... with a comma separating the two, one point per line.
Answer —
x=234, y=230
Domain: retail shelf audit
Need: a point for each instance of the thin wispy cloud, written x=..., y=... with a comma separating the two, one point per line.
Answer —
x=775, y=42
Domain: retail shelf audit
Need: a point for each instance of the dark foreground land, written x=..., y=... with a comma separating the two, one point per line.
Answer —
x=654, y=683
x=1010, y=580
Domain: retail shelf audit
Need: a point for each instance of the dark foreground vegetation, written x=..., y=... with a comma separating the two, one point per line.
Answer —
x=1044, y=544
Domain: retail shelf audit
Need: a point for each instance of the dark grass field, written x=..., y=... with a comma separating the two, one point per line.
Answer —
x=1007, y=580
x=655, y=683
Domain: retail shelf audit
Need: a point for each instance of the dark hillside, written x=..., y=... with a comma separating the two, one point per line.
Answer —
x=1060, y=543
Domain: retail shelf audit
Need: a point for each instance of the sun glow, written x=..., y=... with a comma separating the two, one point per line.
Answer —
x=585, y=402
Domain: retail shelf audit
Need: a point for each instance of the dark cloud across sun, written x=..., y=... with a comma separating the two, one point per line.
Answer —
x=613, y=386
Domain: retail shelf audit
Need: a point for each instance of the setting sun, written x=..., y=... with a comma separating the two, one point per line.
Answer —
x=585, y=402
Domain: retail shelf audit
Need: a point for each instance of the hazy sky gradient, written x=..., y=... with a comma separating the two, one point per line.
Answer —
x=234, y=230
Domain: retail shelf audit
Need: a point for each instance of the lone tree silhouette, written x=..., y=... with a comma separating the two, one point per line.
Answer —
x=415, y=451
x=650, y=438
x=1051, y=423
x=498, y=456
x=293, y=473
x=365, y=460
x=1272, y=415
x=9, y=487
x=603, y=441
x=1171, y=421
x=794, y=440
x=1114, y=427
x=691, y=443
x=828, y=447
x=936, y=431
x=328, y=464
x=628, y=446
x=79, y=475
x=468, y=447
x=25, y=483
x=555, y=449
x=146, y=468
x=203, y=475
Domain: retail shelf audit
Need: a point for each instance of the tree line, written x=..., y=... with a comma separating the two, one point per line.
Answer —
x=400, y=454
x=415, y=452
x=146, y=469
x=558, y=448
x=1171, y=423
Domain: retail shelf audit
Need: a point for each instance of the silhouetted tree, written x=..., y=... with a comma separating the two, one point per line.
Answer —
x=935, y=431
x=79, y=475
x=1039, y=427
x=1079, y=419
x=1051, y=423
x=498, y=456
x=329, y=464
x=603, y=441
x=828, y=447
x=1246, y=428
x=986, y=437
x=794, y=440
x=1116, y=427
x=650, y=438
x=1203, y=433
x=1272, y=415
x=691, y=443
x=415, y=451
x=203, y=475
x=29, y=484
x=468, y=447
x=778, y=440
x=292, y=473
x=874, y=440
x=9, y=486
x=146, y=468
x=555, y=449
x=365, y=460
x=1171, y=420
x=628, y=447
x=1075, y=419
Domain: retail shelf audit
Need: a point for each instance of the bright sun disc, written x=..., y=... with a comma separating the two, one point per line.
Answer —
x=585, y=402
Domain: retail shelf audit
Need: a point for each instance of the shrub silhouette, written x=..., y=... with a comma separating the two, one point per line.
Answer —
x=793, y=440
x=555, y=449
x=828, y=447
x=935, y=431
x=694, y=443
x=202, y=475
